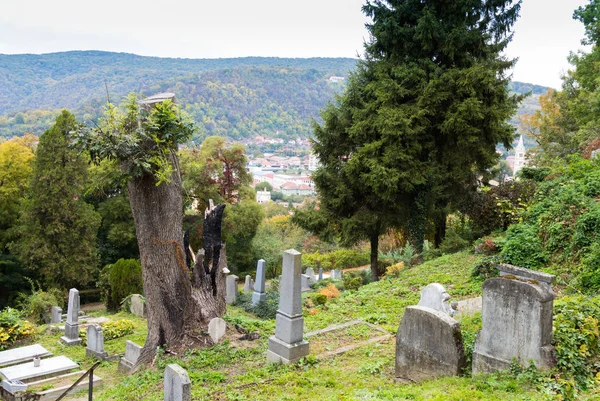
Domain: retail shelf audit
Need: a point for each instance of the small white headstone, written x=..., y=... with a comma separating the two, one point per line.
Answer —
x=216, y=329
x=177, y=384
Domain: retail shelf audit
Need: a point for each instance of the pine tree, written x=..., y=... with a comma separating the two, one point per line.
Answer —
x=58, y=229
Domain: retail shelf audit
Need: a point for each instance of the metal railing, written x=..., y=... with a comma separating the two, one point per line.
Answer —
x=89, y=372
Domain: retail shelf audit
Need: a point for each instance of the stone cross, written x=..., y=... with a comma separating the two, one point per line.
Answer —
x=177, y=384
x=56, y=315
x=232, y=289
x=287, y=345
x=132, y=353
x=259, y=287
x=216, y=329
x=138, y=305
x=71, y=336
x=248, y=285
x=320, y=273
x=95, y=342
x=434, y=296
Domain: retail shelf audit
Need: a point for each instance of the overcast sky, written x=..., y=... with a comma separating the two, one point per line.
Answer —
x=544, y=35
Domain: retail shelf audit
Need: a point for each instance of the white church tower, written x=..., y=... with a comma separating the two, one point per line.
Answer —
x=519, y=161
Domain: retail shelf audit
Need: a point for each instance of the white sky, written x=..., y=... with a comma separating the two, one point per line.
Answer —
x=544, y=34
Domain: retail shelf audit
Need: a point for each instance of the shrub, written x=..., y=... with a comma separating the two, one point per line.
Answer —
x=340, y=259
x=266, y=309
x=320, y=299
x=406, y=255
x=523, y=247
x=394, y=270
x=37, y=305
x=453, y=242
x=486, y=267
x=111, y=330
x=13, y=327
x=589, y=280
x=330, y=291
x=125, y=278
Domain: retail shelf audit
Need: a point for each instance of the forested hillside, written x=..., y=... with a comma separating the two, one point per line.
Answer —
x=236, y=98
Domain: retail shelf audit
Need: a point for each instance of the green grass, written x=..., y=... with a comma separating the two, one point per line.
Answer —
x=237, y=370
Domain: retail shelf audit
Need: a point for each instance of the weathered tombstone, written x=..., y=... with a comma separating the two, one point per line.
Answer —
x=434, y=296
x=516, y=320
x=177, y=384
x=55, y=315
x=138, y=305
x=216, y=329
x=232, y=289
x=71, y=336
x=428, y=345
x=248, y=285
x=305, y=280
x=95, y=342
x=287, y=345
x=132, y=353
x=259, y=287
x=311, y=273
x=336, y=274
x=320, y=273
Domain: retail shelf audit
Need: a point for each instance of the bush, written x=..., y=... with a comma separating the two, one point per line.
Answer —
x=112, y=330
x=13, y=327
x=523, y=247
x=394, y=270
x=353, y=280
x=453, y=242
x=38, y=304
x=266, y=309
x=340, y=259
x=124, y=278
x=330, y=291
x=486, y=267
x=320, y=299
x=406, y=255
x=589, y=280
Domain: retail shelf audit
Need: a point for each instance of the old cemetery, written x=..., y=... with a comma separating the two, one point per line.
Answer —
x=412, y=335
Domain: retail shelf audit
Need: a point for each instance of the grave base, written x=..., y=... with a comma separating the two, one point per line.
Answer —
x=70, y=341
x=281, y=352
x=125, y=366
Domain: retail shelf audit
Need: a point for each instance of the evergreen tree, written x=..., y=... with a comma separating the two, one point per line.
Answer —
x=58, y=229
x=420, y=119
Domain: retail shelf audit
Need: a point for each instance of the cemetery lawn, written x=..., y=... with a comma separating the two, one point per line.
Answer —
x=237, y=370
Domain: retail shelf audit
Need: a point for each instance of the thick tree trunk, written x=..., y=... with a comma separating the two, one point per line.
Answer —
x=374, y=255
x=179, y=303
x=440, y=229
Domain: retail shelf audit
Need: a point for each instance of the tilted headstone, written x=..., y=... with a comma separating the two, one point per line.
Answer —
x=55, y=314
x=216, y=329
x=287, y=345
x=259, y=287
x=71, y=336
x=138, y=305
x=428, y=345
x=516, y=320
x=231, y=283
x=177, y=384
x=248, y=285
x=320, y=273
x=434, y=296
x=132, y=353
x=305, y=280
x=95, y=342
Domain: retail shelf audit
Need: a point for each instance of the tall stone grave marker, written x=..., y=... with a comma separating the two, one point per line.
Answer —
x=71, y=336
x=516, y=320
x=287, y=345
x=434, y=296
x=320, y=273
x=55, y=315
x=178, y=386
x=132, y=353
x=231, y=283
x=95, y=342
x=259, y=287
x=428, y=345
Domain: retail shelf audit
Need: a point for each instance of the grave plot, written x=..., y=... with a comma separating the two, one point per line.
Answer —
x=344, y=337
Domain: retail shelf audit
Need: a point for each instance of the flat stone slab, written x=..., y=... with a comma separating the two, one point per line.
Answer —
x=18, y=355
x=50, y=366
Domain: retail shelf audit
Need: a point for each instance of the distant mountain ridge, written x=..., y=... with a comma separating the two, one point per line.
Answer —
x=236, y=97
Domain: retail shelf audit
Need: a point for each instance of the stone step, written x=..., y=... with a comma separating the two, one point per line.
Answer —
x=50, y=367
x=19, y=355
x=60, y=384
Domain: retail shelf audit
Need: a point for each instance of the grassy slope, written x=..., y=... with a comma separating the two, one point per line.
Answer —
x=236, y=370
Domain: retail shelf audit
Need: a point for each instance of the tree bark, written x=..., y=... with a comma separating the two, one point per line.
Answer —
x=374, y=255
x=179, y=302
x=440, y=229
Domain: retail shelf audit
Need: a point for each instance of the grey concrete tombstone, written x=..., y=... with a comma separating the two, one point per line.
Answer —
x=336, y=274
x=56, y=315
x=138, y=305
x=428, y=345
x=248, y=285
x=320, y=273
x=71, y=336
x=287, y=345
x=231, y=283
x=516, y=320
x=177, y=384
x=216, y=329
x=95, y=342
x=259, y=287
x=305, y=281
x=435, y=296
x=311, y=273
x=132, y=353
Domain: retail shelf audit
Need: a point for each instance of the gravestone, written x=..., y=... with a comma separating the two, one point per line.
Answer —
x=231, y=283
x=71, y=336
x=516, y=320
x=320, y=273
x=22, y=354
x=138, y=305
x=287, y=345
x=248, y=285
x=434, y=296
x=95, y=342
x=132, y=353
x=259, y=287
x=305, y=280
x=47, y=367
x=428, y=345
x=311, y=273
x=55, y=315
x=336, y=274
x=216, y=329
x=177, y=384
